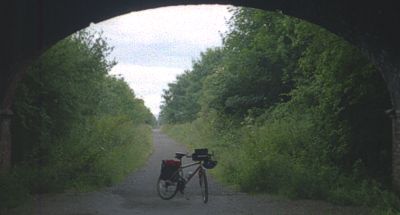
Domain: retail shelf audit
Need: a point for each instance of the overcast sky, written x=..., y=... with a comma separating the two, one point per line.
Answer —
x=153, y=46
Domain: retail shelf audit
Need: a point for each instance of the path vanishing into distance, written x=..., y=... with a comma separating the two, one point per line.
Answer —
x=137, y=195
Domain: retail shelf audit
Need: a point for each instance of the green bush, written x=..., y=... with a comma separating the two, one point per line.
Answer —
x=75, y=127
x=275, y=158
x=290, y=109
x=111, y=148
x=104, y=156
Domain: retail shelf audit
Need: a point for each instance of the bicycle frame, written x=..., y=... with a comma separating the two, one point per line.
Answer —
x=199, y=168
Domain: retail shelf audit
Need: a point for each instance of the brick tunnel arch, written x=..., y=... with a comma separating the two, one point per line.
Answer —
x=34, y=26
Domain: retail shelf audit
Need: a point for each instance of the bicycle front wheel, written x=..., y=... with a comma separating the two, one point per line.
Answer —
x=166, y=189
x=203, y=185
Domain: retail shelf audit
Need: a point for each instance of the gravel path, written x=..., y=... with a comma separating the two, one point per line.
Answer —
x=137, y=195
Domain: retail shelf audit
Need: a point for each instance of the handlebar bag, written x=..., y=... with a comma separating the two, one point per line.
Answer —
x=200, y=155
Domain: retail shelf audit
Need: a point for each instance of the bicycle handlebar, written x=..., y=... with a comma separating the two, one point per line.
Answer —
x=179, y=155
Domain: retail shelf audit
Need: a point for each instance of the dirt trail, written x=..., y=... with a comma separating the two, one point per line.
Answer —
x=137, y=195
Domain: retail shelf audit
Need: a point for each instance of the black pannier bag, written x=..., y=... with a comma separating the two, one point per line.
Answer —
x=169, y=168
x=200, y=155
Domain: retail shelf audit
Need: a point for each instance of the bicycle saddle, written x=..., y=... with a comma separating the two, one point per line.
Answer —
x=179, y=155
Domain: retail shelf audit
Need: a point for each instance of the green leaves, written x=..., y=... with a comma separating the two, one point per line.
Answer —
x=76, y=125
x=182, y=99
x=297, y=106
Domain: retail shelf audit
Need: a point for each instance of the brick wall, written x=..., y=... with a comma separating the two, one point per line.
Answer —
x=5, y=141
x=396, y=150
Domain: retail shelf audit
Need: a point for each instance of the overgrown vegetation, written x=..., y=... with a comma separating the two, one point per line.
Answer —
x=75, y=126
x=290, y=109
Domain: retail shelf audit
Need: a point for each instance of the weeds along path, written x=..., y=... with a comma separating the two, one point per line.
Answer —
x=137, y=195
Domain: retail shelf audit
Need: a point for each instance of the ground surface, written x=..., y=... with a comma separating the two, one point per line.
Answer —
x=137, y=195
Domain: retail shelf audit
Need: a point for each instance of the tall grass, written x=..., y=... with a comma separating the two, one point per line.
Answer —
x=97, y=153
x=283, y=157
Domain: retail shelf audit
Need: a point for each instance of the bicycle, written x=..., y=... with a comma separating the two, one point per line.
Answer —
x=172, y=180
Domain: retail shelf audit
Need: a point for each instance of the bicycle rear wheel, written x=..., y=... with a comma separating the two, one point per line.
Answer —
x=166, y=189
x=203, y=185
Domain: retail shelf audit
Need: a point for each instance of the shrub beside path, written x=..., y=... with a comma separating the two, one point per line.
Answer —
x=137, y=195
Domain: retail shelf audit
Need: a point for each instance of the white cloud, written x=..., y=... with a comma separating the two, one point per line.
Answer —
x=190, y=24
x=153, y=46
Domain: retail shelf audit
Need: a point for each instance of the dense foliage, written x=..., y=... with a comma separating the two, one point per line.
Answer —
x=300, y=110
x=75, y=126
